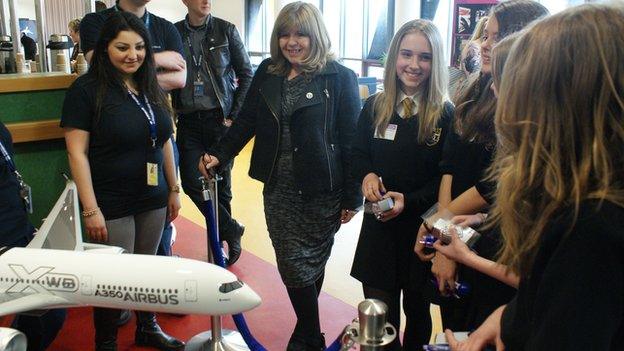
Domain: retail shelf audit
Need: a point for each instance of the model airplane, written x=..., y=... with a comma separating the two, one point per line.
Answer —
x=58, y=270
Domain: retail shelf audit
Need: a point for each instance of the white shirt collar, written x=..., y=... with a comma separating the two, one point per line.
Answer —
x=399, y=105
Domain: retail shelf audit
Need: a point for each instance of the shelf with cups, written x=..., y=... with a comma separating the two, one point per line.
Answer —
x=25, y=82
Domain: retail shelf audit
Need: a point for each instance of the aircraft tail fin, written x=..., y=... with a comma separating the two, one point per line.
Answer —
x=61, y=230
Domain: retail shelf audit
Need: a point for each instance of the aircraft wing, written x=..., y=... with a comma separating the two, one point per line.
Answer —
x=16, y=303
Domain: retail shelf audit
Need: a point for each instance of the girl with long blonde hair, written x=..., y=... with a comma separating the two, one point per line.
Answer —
x=399, y=139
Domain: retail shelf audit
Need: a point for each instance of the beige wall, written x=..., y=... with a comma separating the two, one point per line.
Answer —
x=174, y=10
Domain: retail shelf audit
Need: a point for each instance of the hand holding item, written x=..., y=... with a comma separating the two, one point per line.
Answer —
x=397, y=208
x=373, y=188
x=456, y=250
x=419, y=248
x=207, y=162
x=487, y=334
x=445, y=272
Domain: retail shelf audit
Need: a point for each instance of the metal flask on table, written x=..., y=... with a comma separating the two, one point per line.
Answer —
x=59, y=48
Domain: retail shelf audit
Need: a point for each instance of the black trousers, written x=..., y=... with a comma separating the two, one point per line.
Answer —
x=197, y=133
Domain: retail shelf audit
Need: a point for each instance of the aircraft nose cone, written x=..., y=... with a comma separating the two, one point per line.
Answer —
x=242, y=297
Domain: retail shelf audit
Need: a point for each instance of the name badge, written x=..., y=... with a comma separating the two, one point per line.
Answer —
x=389, y=134
x=152, y=174
x=198, y=88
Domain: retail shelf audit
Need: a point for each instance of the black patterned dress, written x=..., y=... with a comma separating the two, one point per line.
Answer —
x=301, y=227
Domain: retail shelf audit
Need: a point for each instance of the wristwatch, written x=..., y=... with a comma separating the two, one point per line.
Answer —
x=174, y=189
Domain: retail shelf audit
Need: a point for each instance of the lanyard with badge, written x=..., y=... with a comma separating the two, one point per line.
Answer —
x=24, y=189
x=152, y=166
x=198, y=83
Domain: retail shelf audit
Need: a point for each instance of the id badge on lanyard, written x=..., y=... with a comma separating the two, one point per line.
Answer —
x=198, y=83
x=151, y=165
x=25, y=192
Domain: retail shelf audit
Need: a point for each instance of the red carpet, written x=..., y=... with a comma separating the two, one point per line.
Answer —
x=271, y=323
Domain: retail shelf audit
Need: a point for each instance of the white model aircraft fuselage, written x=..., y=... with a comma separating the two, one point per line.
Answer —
x=43, y=278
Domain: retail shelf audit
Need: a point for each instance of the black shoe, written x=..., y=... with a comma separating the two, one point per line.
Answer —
x=106, y=346
x=301, y=343
x=124, y=318
x=148, y=333
x=296, y=343
x=234, y=244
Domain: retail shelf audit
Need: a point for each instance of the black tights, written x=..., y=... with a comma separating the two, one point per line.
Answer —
x=418, y=318
x=305, y=303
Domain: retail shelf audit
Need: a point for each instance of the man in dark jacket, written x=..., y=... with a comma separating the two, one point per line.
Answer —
x=219, y=74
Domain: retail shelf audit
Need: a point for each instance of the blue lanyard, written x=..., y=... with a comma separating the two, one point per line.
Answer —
x=150, y=116
x=147, y=17
x=7, y=158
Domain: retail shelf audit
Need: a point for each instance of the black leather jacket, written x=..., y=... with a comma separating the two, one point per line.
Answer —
x=323, y=126
x=227, y=61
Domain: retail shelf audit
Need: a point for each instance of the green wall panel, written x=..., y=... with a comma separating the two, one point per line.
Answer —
x=31, y=106
x=41, y=164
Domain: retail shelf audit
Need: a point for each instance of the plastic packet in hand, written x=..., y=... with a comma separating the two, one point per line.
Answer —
x=438, y=223
x=379, y=207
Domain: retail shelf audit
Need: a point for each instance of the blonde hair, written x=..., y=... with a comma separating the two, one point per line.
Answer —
x=74, y=25
x=560, y=122
x=433, y=91
x=479, y=29
x=307, y=19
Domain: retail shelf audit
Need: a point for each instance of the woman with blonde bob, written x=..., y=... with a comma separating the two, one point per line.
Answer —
x=399, y=139
x=561, y=193
x=302, y=108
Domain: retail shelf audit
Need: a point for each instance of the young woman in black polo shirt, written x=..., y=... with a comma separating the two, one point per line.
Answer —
x=117, y=128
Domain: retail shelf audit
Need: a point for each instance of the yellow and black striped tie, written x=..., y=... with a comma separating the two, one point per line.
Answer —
x=408, y=107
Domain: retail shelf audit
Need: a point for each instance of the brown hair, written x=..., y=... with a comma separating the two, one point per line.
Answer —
x=476, y=104
x=560, y=123
x=500, y=53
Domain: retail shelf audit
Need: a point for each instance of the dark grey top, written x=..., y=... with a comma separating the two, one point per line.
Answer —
x=197, y=73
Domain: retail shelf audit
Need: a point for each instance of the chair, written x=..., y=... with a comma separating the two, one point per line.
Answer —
x=368, y=87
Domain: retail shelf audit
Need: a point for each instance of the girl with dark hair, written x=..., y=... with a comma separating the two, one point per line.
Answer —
x=468, y=153
x=559, y=167
x=118, y=125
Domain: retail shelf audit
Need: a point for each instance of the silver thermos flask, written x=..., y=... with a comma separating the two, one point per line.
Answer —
x=7, y=59
x=59, y=48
